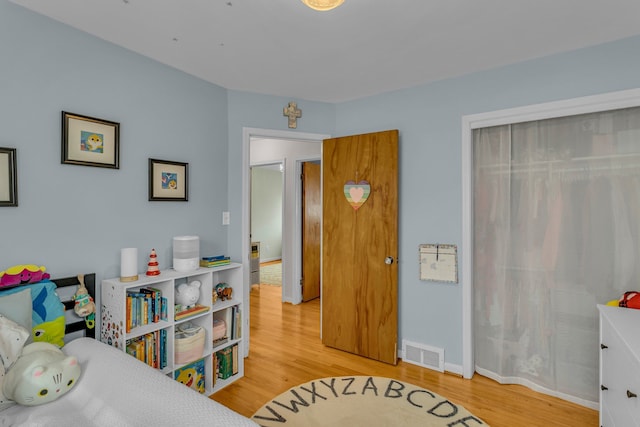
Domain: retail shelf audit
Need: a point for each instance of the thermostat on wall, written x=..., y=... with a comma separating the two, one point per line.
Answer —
x=439, y=263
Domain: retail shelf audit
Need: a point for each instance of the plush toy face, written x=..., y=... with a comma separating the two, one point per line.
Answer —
x=21, y=275
x=41, y=375
x=188, y=294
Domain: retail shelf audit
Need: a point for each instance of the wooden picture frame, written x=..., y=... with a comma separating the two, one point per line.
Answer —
x=8, y=177
x=168, y=181
x=88, y=141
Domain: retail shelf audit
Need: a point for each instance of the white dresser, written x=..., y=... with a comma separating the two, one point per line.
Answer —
x=619, y=367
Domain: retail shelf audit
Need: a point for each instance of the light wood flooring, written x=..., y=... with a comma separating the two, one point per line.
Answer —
x=286, y=350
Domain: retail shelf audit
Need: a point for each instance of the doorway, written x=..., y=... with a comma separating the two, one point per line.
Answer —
x=289, y=150
x=267, y=190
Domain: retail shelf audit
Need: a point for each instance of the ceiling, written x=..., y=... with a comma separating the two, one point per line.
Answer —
x=362, y=48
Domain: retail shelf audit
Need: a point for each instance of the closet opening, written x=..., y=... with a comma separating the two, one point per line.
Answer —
x=552, y=231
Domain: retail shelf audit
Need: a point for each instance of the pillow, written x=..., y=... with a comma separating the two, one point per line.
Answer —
x=47, y=312
x=17, y=306
x=42, y=374
x=5, y=402
x=12, y=339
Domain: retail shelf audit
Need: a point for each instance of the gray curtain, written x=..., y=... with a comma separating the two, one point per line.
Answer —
x=556, y=210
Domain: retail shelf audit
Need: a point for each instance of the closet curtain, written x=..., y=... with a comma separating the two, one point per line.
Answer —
x=556, y=231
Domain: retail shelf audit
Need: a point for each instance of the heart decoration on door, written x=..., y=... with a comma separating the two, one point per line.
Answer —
x=357, y=194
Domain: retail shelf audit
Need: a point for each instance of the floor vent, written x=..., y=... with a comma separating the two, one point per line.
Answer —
x=423, y=355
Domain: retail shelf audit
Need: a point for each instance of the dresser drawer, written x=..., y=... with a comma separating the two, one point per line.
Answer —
x=620, y=375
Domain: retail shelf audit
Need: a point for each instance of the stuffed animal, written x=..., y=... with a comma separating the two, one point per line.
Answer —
x=630, y=299
x=224, y=291
x=21, y=275
x=187, y=295
x=84, y=305
x=41, y=374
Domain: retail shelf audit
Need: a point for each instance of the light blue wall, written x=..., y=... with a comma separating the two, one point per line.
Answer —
x=250, y=110
x=266, y=211
x=429, y=120
x=75, y=219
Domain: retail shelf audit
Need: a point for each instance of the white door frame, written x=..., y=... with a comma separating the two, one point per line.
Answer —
x=583, y=105
x=247, y=134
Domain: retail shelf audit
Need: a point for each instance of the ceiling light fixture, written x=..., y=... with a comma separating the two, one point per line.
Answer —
x=323, y=5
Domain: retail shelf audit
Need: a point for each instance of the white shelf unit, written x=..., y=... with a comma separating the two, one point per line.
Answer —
x=114, y=312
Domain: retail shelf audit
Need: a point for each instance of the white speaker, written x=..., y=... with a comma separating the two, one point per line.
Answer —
x=186, y=253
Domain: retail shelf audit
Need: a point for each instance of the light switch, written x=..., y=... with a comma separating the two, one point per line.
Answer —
x=225, y=218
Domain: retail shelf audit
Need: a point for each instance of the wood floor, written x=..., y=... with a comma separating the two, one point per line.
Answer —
x=285, y=351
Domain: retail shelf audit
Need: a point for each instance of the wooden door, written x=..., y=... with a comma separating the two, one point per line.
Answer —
x=311, y=217
x=360, y=246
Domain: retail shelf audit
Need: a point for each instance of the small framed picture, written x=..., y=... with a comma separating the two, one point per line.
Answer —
x=88, y=141
x=168, y=181
x=8, y=177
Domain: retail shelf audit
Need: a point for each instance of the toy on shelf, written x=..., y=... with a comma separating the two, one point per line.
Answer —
x=630, y=299
x=187, y=295
x=224, y=291
x=83, y=304
x=152, y=269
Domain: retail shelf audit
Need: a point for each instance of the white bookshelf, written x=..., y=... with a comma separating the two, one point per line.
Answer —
x=114, y=316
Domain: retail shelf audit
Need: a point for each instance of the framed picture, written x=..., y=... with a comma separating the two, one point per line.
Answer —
x=88, y=141
x=168, y=181
x=8, y=177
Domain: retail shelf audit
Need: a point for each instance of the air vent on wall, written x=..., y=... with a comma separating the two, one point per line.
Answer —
x=423, y=355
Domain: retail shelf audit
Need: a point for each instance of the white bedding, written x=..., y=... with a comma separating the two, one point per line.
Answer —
x=116, y=390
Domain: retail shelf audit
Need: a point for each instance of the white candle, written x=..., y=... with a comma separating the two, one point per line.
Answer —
x=128, y=264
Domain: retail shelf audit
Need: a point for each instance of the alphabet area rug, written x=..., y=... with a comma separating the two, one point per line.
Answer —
x=362, y=401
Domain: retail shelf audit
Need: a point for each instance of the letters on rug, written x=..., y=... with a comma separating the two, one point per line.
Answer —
x=362, y=401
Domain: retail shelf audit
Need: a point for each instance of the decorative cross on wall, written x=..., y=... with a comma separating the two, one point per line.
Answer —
x=293, y=113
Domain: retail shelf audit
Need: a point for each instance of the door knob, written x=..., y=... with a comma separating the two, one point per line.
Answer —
x=388, y=260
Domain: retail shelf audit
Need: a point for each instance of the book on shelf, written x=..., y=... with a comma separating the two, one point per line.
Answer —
x=156, y=296
x=192, y=375
x=216, y=261
x=192, y=311
x=150, y=348
x=237, y=331
x=214, y=368
x=234, y=359
x=214, y=258
x=143, y=306
x=227, y=361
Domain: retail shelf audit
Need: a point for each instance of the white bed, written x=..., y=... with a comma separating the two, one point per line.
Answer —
x=115, y=389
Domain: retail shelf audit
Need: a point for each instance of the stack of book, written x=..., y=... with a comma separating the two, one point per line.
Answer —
x=183, y=313
x=150, y=348
x=214, y=261
x=226, y=362
x=144, y=306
